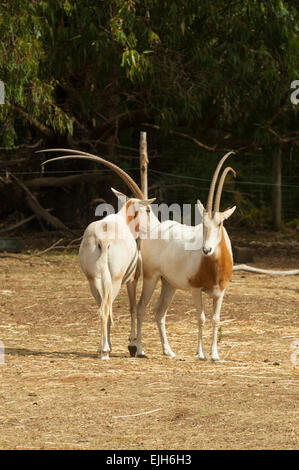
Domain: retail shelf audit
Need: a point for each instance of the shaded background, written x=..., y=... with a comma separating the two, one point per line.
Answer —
x=200, y=77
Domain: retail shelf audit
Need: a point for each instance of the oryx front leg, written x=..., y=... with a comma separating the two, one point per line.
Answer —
x=148, y=288
x=197, y=298
x=166, y=296
x=217, y=302
x=108, y=331
x=131, y=288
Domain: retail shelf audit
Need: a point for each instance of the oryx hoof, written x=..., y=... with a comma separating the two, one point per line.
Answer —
x=176, y=358
x=215, y=359
x=105, y=356
x=201, y=358
x=142, y=356
x=132, y=350
x=172, y=357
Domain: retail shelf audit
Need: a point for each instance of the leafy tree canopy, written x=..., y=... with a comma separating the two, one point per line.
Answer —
x=87, y=68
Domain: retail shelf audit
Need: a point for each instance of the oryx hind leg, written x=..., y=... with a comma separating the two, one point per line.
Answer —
x=217, y=303
x=104, y=320
x=98, y=300
x=198, y=301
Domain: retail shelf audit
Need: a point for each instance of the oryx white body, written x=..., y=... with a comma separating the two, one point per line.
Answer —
x=170, y=259
x=108, y=257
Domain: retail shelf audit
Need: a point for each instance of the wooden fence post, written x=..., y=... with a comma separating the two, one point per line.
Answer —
x=143, y=164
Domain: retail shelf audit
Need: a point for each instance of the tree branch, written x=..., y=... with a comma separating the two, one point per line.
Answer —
x=35, y=206
x=19, y=224
x=122, y=121
x=53, y=181
x=33, y=121
x=284, y=139
x=183, y=136
x=27, y=146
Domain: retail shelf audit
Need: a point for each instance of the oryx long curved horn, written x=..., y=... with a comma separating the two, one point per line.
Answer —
x=220, y=187
x=89, y=156
x=213, y=182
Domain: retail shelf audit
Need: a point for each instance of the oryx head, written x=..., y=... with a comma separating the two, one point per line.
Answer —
x=134, y=210
x=212, y=219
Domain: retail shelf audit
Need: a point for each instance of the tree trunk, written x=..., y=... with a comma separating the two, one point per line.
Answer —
x=276, y=191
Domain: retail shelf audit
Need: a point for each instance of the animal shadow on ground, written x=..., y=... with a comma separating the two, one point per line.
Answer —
x=52, y=354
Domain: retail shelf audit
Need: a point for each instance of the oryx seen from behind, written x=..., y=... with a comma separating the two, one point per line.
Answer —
x=109, y=257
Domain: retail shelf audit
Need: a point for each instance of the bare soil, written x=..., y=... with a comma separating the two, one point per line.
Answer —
x=55, y=393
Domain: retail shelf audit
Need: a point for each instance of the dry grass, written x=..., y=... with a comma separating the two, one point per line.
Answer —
x=56, y=394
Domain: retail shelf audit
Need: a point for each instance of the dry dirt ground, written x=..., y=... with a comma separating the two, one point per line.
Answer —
x=55, y=393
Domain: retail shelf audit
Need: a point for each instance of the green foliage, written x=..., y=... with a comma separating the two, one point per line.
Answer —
x=221, y=71
x=255, y=217
x=184, y=60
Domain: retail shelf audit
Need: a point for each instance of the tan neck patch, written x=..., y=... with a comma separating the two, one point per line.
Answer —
x=206, y=275
x=214, y=271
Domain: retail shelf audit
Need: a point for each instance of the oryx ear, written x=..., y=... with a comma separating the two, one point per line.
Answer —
x=120, y=195
x=200, y=207
x=147, y=202
x=226, y=214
